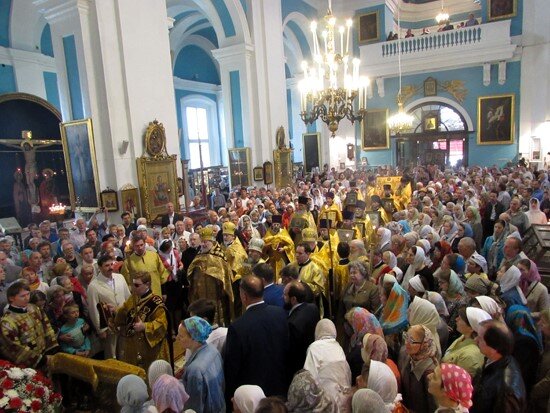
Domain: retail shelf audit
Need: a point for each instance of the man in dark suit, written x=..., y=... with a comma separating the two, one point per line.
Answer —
x=491, y=214
x=170, y=217
x=256, y=348
x=302, y=319
x=273, y=293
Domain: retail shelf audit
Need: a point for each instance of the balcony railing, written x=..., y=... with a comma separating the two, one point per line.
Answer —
x=490, y=42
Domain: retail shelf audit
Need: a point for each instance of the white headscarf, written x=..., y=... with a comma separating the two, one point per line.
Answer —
x=416, y=283
x=157, y=369
x=391, y=261
x=325, y=329
x=383, y=381
x=247, y=397
x=368, y=401
x=385, y=237
x=535, y=215
x=476, y=316
x=423, y=312
x=419, y=261
x=488, y=304
x=131, y=394
x=510, y=280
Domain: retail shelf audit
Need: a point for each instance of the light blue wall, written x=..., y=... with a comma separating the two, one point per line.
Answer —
x=484, y=155
x=209, y=34
x=73, y=77
x=46, y=46
x=180, y=94
x=236, y=108
x=7, y=79
x=193, y=63
x=225, y=17
x=52, y=91
x=300, y=6
x=5, y=11
x=517, y=21
x=301, y=37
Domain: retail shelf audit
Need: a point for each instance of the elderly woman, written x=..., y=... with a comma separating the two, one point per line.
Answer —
x=360, y=291
x=420, y=346
x=490, y=306
x=422, y=312
x=305, y=395
x=534, y=290
x=326, y=361
x=448, y=230
x=416, y=258
x=368, y=401
x=246, y=398
x=508, y=277
x=493, y=249
x=464, y=351
x=474, y=219
x=169, y=395
x=361, y=322
x=451, y=388
x=393, y=318
x=378, y=377
x=375, y=348
x=131, y=395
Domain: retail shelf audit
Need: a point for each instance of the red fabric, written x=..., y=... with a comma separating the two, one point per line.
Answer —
x=457, y=383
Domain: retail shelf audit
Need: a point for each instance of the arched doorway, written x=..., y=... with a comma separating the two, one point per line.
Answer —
x=24, y=112
x=439, y=136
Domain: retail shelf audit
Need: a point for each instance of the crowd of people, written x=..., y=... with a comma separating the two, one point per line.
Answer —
x=340, y=293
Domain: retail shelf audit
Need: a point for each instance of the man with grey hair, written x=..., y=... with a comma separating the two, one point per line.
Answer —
x=466, y=248
x=12, y=271
x=78, y=236
x=357, y=250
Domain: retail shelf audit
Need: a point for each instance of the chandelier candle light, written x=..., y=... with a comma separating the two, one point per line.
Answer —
x=443, y=16
x=332, y=82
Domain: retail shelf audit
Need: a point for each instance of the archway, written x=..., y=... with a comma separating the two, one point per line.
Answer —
x=19, y=112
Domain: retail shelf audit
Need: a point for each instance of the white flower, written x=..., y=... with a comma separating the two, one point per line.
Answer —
x=15, y=373
x=4, y=401
x=27, y=402
x=11, y=394
x=30, y=372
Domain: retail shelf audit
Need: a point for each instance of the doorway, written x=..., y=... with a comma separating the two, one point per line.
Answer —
x=424, y=149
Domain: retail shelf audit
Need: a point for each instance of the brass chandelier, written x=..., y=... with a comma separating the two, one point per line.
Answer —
x=331, y=82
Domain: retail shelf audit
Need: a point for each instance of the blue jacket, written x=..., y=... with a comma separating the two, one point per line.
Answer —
x=273, y=295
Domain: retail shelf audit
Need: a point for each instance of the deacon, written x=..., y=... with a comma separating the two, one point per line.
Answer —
x=301, y=219
x=312, y=275
x=210, y=277
x=330, y=211
x=142, y=324
x=278, y=247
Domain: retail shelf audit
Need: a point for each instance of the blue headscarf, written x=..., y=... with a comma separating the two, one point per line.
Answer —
x=520, y=321
x=406, y=228
x=459, y=265
x=394, y=315
x=468, y=231
x=198, y=328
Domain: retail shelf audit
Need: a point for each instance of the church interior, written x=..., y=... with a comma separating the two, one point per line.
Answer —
x=222, y=76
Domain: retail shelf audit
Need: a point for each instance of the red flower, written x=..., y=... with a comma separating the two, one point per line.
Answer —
x=39, y=392
x=29, y=387
x=16, y=403
x=36, y=405
x=7, y=384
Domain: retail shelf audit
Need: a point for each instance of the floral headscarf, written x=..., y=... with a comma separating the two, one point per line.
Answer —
x=532, y=276
x=520, y=321
x=394, y=315
x=169, y=393
x=305, y=395
x=428, y=348
x=374, y=348
x=362, y=322
x=198, y=328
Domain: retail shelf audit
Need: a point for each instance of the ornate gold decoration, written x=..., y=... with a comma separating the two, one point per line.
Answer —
x=155, y=139
x=408, y=91
x=455, y=88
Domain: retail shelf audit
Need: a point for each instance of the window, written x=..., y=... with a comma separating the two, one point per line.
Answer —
x=197, y=132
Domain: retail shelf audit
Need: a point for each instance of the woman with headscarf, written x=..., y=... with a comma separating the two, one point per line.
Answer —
x=389, y=259
x=384, y=236
x=541, y=390
x=527, y=342
x=368, y=401
x=378, y=377
x=305, y=395
x=361, y=322
x=448, y=230
x=463, y=230
x=508, y=277
x=416, y=259
x=423, y=312
x=246, y=398
x=452, y=388
x=464, y=351
x=535, y=215
x=474, y=220
x=420, y=346
x=395, y=301
x=169, y=395
x=490, y=306
x=440, y=250
x=452, y=291
x=131, y=395
x=427, y=247
x=413, y=218
x=203, y=376
x=157, y=369
x=458, y=214
x=442, y=327
x=534, y=290
x=326, y=361
x=405, y=227
x=375, y=348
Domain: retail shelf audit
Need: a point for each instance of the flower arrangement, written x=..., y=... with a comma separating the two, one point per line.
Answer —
x=25, y=390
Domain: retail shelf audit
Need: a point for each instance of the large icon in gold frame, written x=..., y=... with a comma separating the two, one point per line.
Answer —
x=239, y=167
x=282, y=159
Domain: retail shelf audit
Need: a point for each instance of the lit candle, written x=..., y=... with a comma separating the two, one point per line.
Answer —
x=325, y=34
x=348, y=25
x=341, y=30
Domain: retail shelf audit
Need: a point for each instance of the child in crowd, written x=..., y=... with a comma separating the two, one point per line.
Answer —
x=75, y=328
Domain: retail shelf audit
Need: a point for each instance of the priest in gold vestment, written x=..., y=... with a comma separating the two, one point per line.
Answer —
x=278, y=246
x=142, y=324
x=210, y=277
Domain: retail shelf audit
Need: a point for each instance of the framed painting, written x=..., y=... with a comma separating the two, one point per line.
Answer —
x=374, y=217
x=239, y=166
x=495, y=120
x=130, y=202
x=311, y=151
x=431, y=121
x=158, y=184
x=501, y=9
x=109, y=200
x=369, y=27
x=268, y=173
x=284, y=169
x=375, y=133
x=430, y=87
x=77, y=138
x=258, y=173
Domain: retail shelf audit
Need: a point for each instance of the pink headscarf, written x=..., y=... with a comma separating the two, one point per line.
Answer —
x=457, y=384
x=532, y=275
x=169, y=393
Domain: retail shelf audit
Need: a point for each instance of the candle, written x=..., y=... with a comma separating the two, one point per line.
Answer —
x=348, y=24
x=325, y=34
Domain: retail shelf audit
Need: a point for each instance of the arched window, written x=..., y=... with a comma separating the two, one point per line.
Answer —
x=447, y=118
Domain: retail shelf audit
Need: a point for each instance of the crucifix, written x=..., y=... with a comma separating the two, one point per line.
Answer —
x=29, y=145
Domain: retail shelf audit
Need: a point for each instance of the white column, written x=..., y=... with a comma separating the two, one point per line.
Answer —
x=267, y=33
x=298, y=125
x=125, y=75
